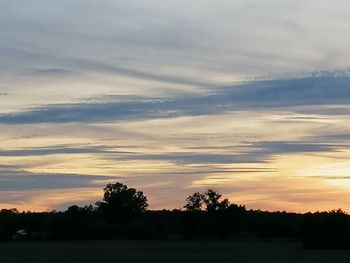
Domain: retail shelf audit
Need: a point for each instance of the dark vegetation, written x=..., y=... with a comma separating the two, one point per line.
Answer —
x=123, y=214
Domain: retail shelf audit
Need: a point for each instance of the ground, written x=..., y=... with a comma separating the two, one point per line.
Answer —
x=165, y=251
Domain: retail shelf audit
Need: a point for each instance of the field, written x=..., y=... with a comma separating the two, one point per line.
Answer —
x=165, y=251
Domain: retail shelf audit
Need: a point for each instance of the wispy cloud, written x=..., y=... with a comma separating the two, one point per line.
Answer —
x=266, y=94
x=19, y=180
x=60, y=72
x=253, y=153
x=62, y=149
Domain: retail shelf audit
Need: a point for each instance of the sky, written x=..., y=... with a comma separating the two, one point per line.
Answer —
x=248, y=97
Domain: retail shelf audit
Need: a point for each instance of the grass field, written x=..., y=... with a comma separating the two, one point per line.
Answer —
x=165, y=251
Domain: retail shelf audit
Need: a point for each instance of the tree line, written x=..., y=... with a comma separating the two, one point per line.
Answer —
x=123, y=214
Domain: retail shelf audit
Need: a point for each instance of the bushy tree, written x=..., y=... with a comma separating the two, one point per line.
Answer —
x=213, y=202
x=211, y=199
x=121, y=203
x=194, y=202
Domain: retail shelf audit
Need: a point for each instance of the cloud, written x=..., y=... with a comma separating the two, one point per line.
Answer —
x=259, y=152
x=52, y=72
x=174, y=41
x=296, y=94
x=66, y=150
x=319, y=90
x=277, y=147
x=341, y=137
x=197, y=158
x=18, y=180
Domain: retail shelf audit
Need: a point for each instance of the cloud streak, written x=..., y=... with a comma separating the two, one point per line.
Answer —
x=266, y=94
x=11, y=179
x=254, y=153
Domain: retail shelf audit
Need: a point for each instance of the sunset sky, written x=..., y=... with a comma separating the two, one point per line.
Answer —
x=249, y=97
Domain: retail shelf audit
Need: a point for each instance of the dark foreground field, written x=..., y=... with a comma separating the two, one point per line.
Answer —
x=165, y=251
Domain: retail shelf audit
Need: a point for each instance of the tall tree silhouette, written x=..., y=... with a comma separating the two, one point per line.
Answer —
x=121, y=203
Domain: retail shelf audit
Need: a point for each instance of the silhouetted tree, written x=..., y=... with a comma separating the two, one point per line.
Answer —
x=213, y=202
x=194, y=202
x=210, y=198
x=121, y=203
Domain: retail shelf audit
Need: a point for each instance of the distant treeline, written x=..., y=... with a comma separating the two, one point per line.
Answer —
x=123, y=214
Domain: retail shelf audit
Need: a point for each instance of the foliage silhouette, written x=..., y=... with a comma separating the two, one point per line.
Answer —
x=210, y=198
x=213, y=202
x=121, y=203
x=194, y=202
